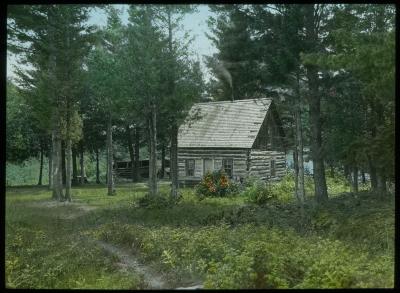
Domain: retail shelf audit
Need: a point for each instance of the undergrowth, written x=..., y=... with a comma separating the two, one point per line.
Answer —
x=227, y=242
x=44, y=251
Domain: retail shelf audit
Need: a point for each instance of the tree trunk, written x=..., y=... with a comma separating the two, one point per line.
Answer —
x=68, y=143
x=381, y=184
x=153, y=153
x=110, y=179
x=299, y=149
x=354, y=184
x=173, y=165
x=97, y=167
x=321, y=193
x=60, y=195
x=363, y=176
x=300, y=160
x=74, y=166
x=346, y=169
x=372, y=175
x=380, y=119
x=54, y=164
x=82, y=181
x=162, y=171
x=50, y=156
x=68, y=169
x=41, y=164
x=377, y=117
x=137, y=148
x=63, y=162
x=131, y=151
x=296, y=174
x=57, y=180
x=174, y=161
x=332, y=171
x=314, y=99
x=84, y=175
x=52, y=159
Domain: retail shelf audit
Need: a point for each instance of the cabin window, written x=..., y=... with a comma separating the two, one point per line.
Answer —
x=272, y=167
x=190, y=167
x=227, y=164
x=208, y=166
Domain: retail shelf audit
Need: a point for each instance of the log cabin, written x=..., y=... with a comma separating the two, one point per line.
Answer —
x=123, y=169
x=243, y=137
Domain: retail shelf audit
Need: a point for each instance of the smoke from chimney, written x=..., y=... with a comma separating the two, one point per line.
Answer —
x=225, y=73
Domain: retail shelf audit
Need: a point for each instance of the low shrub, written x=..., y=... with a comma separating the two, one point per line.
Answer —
x=255, y=256
x=260, y=193
x=337, y=184
x=283, y=190
x=160, y=201
x=216, y=184
x=282, y=260
x=348, y=241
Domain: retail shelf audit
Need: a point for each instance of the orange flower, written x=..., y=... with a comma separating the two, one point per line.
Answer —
x=223, y=181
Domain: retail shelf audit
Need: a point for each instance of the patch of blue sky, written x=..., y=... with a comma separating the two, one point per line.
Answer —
x=195, y=24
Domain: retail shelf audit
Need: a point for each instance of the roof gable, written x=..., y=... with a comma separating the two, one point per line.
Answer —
x=227, y=124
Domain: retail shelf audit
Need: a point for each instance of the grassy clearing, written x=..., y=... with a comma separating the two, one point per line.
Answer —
x=220, y=242
x=27, y=172
x=45, y=251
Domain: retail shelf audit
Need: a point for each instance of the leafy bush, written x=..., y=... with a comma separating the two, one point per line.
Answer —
x=283, y=190
x=337, y=184
x=255, y=257
x=160, y=201
x=215, y=184
x=252, y=247
x=220, y=240
x=283, y=260
x=260, y=193
x=362, y=218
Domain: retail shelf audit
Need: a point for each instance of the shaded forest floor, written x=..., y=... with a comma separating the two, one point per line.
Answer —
x=106, y=242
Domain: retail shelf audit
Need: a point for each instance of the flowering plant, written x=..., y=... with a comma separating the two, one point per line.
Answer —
x=215, y=184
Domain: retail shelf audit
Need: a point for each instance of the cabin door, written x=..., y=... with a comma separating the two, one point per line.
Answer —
x=208, y=166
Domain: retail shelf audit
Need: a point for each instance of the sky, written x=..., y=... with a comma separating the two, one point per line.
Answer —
x=195, y=24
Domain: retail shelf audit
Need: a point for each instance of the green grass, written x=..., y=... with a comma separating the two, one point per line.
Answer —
x=223, y=242
x=27, y=172
x=44, y=251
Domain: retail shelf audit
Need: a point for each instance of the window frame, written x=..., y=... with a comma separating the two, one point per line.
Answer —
x=187, y=167
x=231, y=169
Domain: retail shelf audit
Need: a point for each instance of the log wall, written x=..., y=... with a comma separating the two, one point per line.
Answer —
x=245, y=162
x=260, y=161
x=239, y=157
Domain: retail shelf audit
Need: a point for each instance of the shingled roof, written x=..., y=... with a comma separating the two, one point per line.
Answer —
x=227, y=124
